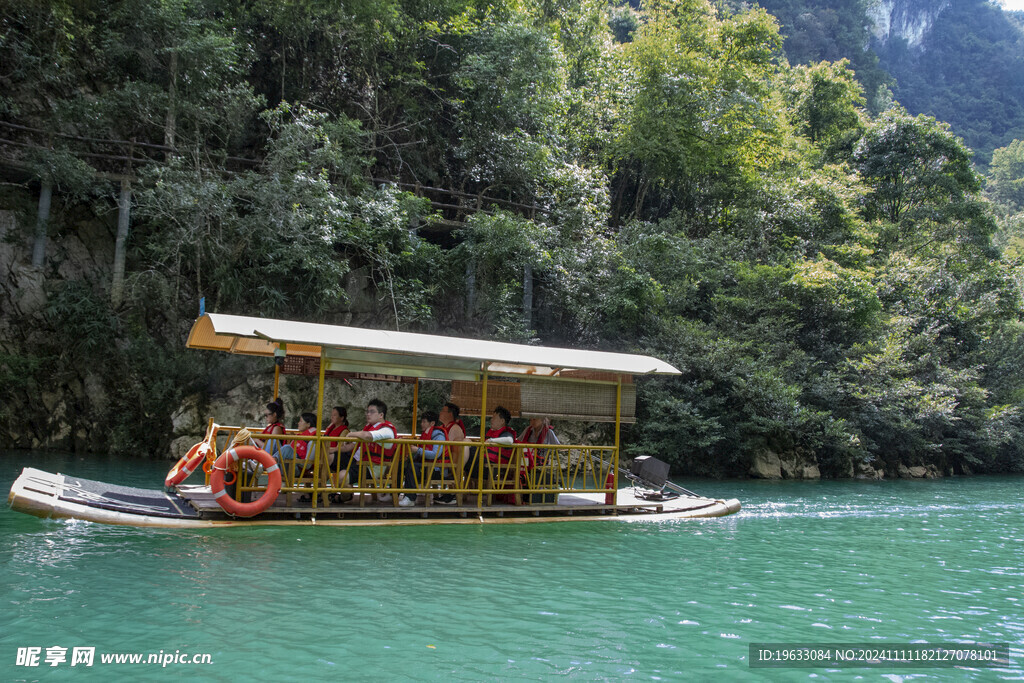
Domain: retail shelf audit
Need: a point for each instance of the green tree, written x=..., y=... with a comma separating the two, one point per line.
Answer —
x=827, y=103
x=922, y=185
x=696, y=106
x=1006, y=176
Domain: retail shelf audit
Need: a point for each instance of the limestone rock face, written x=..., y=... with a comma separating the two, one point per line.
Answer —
x=766, y=465
x=244, y=404
x=908, y=20
x=863, y=470
x=919, y=472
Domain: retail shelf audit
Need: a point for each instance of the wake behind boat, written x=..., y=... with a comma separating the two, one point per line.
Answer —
x=406, y=479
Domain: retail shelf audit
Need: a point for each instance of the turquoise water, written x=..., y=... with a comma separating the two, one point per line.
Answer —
x=836, y=562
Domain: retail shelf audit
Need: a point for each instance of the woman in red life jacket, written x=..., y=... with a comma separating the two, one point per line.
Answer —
x=274, y=417
x=425, y=456
x=307, y=427
x=539, y=432
x=377, y=429
x=337, y=427
x=453, y=430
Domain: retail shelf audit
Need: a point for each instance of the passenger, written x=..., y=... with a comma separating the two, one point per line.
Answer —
x=337, y=427
x=500, y=433
x=539, y=432
x=377, y=429
x=307, y=427
x=429, y=431
x=453, y=428
x=274, y=417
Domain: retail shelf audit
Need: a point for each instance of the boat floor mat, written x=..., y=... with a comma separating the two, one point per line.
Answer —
x=124, y=498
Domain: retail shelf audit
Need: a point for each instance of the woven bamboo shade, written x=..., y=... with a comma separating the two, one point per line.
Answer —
x=467, y=396
x=576, y=400
x=310, y=367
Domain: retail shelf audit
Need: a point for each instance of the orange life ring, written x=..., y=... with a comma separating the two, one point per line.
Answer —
x=232, y=506
x=187, y=464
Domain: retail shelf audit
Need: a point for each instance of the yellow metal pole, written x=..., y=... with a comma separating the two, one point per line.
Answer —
x=415, y=405
x=320, y=454
x=615, y=455
x=480, y=451
x=277, y=380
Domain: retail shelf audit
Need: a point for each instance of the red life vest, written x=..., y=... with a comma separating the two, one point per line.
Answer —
x=494, y=452
x=446, y=428
x=272, y=446
x=539, y=457
x=331, y=430
x=301, y=446
x=376, y=450
x=428, y=435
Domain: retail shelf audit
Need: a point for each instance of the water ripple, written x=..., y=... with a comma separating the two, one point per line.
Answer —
x=927, y=561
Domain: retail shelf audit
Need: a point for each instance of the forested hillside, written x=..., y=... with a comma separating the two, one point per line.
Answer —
x=960, y=62
x=655, y=180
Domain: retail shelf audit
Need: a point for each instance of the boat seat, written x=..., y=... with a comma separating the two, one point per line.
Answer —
x=504, y=476
x=383, y=475
x=543, y=476
x=442, y=472
x=298, y=472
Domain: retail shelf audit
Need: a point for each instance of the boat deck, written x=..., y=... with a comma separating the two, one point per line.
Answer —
x=45, y=494
x=568, y=504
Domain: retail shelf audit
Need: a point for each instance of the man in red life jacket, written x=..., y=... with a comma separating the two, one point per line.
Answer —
x=500, y=433
x=453, y=428
x=377, y=429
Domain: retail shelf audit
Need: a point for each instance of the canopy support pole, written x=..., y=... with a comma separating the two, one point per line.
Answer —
x=618, y=423
x=480, y=452
x=321, y=453
x=415, y=405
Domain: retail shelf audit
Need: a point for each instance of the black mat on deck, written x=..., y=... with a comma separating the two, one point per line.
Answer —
x=126, y=499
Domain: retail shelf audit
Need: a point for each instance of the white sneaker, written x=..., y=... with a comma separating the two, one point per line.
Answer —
x=385, y=498
x=405, y=501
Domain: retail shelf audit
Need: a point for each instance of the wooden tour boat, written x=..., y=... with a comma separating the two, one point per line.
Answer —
x=245, y=485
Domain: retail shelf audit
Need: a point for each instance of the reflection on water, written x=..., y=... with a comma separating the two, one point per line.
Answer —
x=928, y=561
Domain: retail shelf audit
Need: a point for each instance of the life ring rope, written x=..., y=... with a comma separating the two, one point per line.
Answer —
x=195, y=458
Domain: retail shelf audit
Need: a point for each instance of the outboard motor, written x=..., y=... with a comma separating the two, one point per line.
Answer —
x=651, y=474
x=649, y=470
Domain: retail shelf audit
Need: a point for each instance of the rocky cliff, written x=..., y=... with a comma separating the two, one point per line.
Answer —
x=908, y=20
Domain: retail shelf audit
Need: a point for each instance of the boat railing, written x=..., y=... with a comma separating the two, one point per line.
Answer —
x=523, y=473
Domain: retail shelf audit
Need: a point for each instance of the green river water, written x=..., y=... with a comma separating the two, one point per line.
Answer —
x=822, y=562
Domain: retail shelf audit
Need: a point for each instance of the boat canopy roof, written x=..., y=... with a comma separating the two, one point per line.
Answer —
x=408, y=354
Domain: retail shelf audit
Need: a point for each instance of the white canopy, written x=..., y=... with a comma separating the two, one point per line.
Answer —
x=407, y=353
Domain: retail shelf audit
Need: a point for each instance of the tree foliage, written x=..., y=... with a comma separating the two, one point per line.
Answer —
x=660, y=179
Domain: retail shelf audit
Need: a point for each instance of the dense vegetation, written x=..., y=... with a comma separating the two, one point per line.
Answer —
x=968, y=71
x=825, y=278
